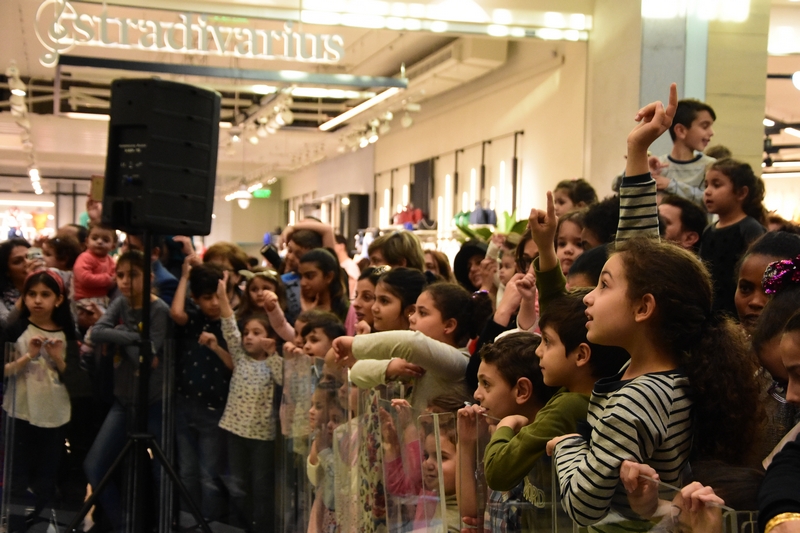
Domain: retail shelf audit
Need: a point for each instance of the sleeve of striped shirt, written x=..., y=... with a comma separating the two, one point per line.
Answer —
x=633, y=424
x=638, y=208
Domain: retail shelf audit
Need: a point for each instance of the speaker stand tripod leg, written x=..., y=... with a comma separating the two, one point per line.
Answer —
x=89, y=503
x=159, y=454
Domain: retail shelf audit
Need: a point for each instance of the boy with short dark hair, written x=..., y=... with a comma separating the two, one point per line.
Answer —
x=683, y=170
x=510, y=385
x=319, y=334
x=203, y=372
x=567, y=365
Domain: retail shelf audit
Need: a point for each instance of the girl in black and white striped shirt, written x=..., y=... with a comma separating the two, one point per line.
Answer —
x=688, y=388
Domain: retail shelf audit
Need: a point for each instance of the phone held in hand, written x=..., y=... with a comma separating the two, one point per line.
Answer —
x=35, y=254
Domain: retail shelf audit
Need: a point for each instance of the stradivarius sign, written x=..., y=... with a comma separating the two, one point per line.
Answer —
x=60, y=27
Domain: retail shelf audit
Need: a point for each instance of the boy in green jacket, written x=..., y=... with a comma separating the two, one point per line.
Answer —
x=566, y=359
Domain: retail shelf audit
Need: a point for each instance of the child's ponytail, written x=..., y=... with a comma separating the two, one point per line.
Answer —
x=471, y=311
x=741, y=175
x=711, y=350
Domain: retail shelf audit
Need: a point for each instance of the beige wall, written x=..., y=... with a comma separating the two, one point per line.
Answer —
x=246, y=226
x=736, y=82
x=612, y=93
x=348, y=173
x=540, y=89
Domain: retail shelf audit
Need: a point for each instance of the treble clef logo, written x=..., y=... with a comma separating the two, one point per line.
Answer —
x=51, y=31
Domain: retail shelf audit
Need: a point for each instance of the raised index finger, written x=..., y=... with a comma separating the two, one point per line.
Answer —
x=551, y=209
x=672, y=105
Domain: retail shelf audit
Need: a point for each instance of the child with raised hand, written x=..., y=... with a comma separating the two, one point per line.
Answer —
x=249, y=419
x=673, y=399
x=203, y=372
x=261, y=283
x=93, y=271
x=321, y=282
x=43, y=335
x=736, y=195
x=432, y=354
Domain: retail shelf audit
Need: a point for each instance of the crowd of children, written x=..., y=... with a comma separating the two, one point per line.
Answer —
x=571, y=373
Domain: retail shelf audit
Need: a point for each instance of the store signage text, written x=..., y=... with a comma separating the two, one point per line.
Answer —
x=61, y=27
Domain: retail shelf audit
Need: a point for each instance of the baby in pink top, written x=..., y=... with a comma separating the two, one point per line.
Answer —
x=94, y=270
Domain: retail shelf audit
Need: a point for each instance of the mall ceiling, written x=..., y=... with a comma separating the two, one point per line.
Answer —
x=454, y=50
x=451, y=53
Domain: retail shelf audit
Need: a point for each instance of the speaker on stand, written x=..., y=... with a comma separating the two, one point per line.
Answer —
x=161, y=170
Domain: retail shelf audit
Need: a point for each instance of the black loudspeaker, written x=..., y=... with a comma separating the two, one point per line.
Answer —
x=161, y=165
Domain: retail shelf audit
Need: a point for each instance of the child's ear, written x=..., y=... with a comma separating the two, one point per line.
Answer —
x=742, y=193
x=680, y=131
x=524, y=391
x=645, y=309
x=450, y=325
x=582, y=354
x=59, y=300
x=328, y=277
x=409, y=310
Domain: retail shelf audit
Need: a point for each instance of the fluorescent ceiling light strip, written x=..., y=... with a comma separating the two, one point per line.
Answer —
x=87, y=116
x=785, y=164
x=255, y=75
x=360, y=108
x=767, y=175
x=792, y=131
x=27, y=203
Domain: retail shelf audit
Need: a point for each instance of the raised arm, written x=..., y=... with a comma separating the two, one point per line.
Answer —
x=638, y=213
x=277, y=319
x=177, y=310
x=325, y=231
x=543, y=225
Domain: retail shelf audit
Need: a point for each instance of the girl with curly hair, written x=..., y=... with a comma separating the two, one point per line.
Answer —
x=689, y=389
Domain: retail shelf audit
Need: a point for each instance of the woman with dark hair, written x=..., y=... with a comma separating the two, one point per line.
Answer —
x=13, y=271
x=437, y=262
x=467, y=265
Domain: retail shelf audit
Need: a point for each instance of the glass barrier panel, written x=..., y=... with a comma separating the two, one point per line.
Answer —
x=401, y=463
x=325, y=416
x=295, y=494
x=740, y=521
x=372, y=492
x=473, y=437
x=437, y=509
x=347, y=482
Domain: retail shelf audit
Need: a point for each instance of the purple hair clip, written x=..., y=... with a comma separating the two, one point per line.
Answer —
x=780, y=274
